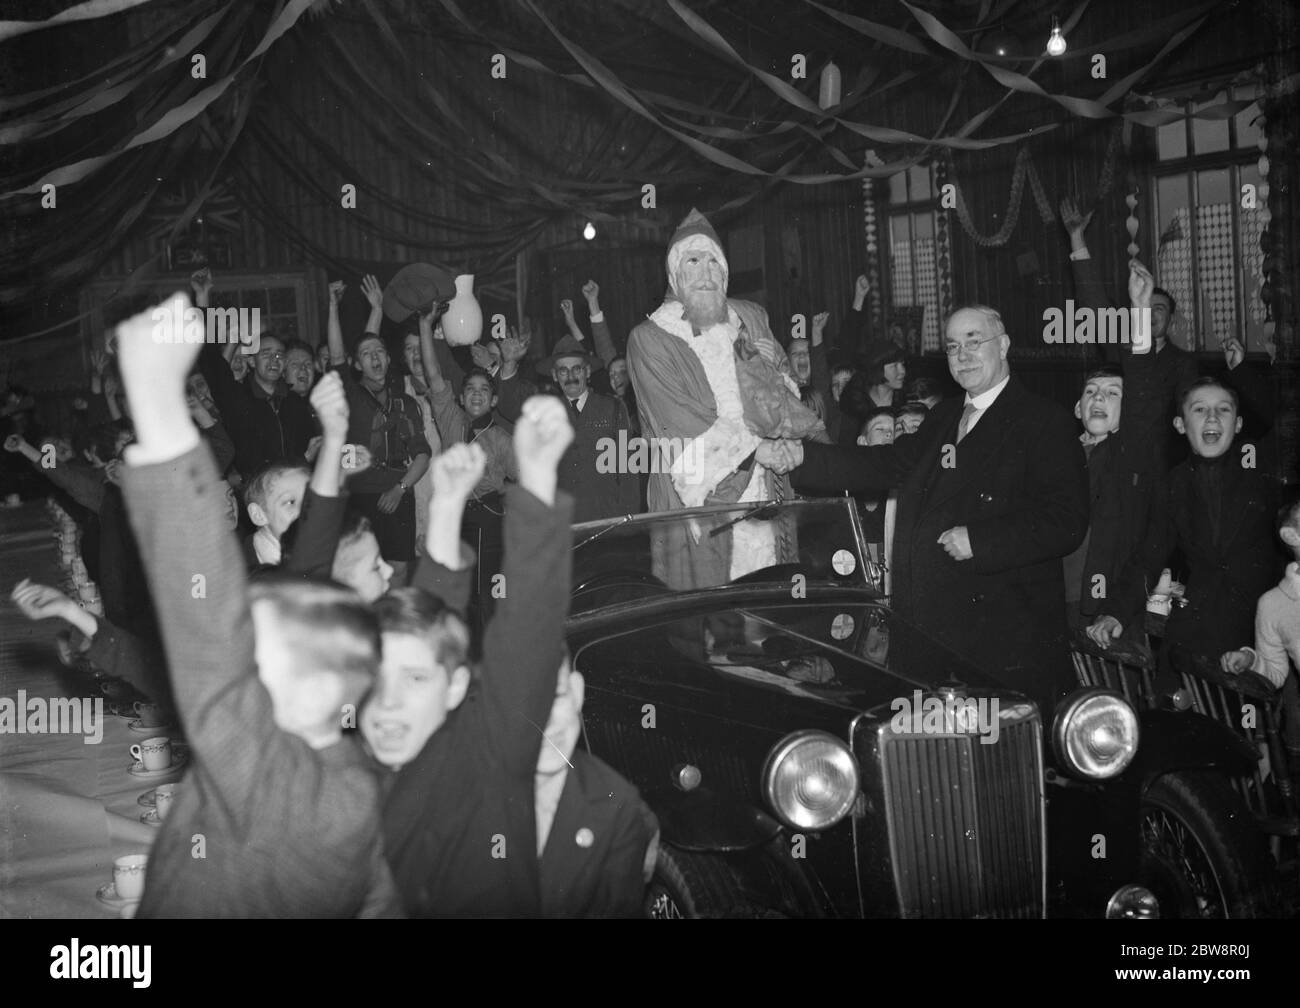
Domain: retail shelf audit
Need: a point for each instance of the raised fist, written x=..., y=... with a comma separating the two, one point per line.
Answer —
x=457, y=471
x=337, y=288
x=152, y=351
x=330, y=402
x=591, y=290
x=543, y=431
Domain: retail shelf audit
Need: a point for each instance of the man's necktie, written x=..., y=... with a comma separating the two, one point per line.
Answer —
x=574, y=404
x=966, y=416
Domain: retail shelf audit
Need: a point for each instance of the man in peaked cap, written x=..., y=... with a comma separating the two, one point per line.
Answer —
x=714, y=390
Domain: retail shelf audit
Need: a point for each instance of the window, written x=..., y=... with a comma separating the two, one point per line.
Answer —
x=1207, y=243
x=284, y=301
x=280, y=301
x=913, y=254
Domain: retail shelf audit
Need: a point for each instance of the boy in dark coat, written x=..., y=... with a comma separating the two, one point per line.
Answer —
x=279, y=813
x=1218, y=514
x=473, y=807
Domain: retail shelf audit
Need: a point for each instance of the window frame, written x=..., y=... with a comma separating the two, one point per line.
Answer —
x=1189, y=167
x=887, y=210
x=95, y=296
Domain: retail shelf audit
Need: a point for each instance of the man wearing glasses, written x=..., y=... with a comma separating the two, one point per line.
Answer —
x=992, y=493
x=265, y=422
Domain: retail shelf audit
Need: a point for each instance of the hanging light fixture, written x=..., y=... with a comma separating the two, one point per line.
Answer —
x=828, y=94
x=589, y=232
x=1056, y=41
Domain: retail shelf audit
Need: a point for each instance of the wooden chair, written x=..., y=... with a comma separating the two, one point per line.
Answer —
x=1126, y=668
x=1253, y=710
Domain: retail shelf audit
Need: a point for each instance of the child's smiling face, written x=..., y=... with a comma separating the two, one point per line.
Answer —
x=284, y=502
x=1210, y=420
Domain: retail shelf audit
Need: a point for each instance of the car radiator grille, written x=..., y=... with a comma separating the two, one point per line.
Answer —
x=966, y=821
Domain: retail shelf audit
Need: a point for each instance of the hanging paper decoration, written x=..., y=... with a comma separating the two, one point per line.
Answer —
x=873, y=243
x=1024, y=171
x=1131, y=222
x=944, y=249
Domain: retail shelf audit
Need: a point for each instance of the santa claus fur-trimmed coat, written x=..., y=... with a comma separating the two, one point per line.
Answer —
x=691, y=393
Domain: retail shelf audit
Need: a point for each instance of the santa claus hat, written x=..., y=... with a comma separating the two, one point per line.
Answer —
x=696, y=226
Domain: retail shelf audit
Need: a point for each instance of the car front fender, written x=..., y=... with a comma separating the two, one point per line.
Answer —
x=705, y=821
x=1185, y=740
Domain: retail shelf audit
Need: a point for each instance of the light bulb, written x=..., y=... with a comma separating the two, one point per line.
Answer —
x=589, y=232
x=1056, y=41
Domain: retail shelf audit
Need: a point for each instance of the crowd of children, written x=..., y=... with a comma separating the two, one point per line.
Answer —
x=361, y=749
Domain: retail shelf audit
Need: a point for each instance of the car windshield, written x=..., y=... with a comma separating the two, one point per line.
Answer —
x=797, y=543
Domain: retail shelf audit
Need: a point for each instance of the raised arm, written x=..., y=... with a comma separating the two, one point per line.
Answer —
x=214, y=360
x=571, y=323
x=512, y=387
x=856, y=331
x=447, y=572
x=433, y=376
x=524, y=642
x=333, y=328
x=176, y=508
x=321, y=520
x=448, y=416
x=84, y=485
x=223, y=449
x=600, y=334
x=375, y=295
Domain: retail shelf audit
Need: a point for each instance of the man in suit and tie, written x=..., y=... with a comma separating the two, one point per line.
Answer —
x=992, y=493
x=595, y=416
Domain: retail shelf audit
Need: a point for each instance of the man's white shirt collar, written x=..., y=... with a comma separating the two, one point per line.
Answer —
x=986, y=399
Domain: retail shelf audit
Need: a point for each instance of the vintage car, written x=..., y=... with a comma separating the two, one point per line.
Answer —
x=809, y=754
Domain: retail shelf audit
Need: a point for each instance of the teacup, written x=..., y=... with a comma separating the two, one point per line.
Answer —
x=1161, y=605
x=128, y=875
x=148, y=713
x=163, y=796
x=154, y=753
x=114, y=689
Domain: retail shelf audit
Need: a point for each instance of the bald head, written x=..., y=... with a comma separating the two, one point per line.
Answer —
x=976, y=342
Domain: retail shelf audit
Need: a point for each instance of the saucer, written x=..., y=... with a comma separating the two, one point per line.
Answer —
x=148, y=799
x=158, y=729
x=107, y=894
x=180, y=756
x=150, y=818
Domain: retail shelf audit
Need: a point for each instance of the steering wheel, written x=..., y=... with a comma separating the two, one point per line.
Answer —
x=642, y=583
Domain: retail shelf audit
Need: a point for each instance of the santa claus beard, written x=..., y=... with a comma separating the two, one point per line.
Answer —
x=705, y=308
